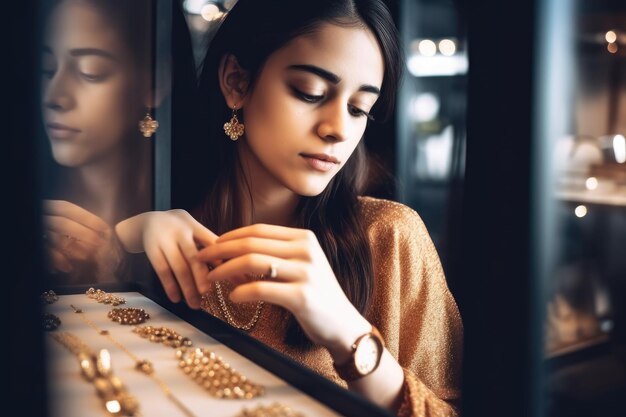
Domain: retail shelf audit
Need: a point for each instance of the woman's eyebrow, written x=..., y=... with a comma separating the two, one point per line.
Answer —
x=327, y=75
x=92, y=51
x=320, y=72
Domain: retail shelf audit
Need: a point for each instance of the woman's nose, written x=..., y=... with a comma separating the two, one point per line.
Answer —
x=334, y=122
x=57, y=93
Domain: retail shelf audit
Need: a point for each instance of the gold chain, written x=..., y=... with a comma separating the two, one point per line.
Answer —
x=205, y=367
x=163, y=335
x=229, y=317
x=142, y=365
x=97, y=370
x=216, y=376
x=273, y=410
x=104, y=298
x=128, y=315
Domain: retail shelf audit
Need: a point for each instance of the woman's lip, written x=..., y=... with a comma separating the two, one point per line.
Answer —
x=319, y=164
x=58, y=131
x=321, y=156
x=59, y=126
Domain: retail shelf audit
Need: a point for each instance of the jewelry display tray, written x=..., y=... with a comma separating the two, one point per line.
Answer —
x=285, y=381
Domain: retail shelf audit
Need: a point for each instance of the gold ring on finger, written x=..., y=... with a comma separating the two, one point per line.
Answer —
x=273, y=270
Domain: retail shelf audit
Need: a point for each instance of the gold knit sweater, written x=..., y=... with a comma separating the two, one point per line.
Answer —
x=412, y=307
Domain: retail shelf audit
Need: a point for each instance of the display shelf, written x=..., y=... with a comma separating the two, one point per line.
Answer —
x=617, y=199
x=284, y=380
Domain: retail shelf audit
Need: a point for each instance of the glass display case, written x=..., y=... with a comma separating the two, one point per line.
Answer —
x=580, y=189
x=431, y=126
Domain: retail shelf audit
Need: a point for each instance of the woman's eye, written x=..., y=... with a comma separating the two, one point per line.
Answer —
x=355, y=111
x=92, y=77
x=309, y=98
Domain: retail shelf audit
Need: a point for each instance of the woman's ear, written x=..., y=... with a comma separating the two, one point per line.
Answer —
x=153, y=96
x=234, y=81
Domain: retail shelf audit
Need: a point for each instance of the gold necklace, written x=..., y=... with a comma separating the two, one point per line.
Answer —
x=142, y=365
x=97, y=369
x=229, y=317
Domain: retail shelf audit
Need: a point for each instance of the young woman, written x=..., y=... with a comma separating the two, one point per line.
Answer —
x=280, y=244
x=96, y=89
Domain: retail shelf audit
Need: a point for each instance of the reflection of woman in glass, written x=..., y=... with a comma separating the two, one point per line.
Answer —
x=296, y=257
x=96, y=89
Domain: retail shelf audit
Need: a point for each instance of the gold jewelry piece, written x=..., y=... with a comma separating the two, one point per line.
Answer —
x=274, y=410
x=98, y=370
x=147, y=126
x=163, y=335
x=142, y=365
x=128, y=315
x=50, y=322
x=49, y=297
x=104, y=297
x=229, y=317
x=233, y=128
x=216, y=376
x=203, y=366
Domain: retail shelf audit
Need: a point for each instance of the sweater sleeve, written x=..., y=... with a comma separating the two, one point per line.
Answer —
x=414, y=310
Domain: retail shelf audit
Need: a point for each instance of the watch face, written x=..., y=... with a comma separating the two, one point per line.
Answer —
x=366, y=355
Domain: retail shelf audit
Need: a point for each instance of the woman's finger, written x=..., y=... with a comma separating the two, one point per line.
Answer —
x=69, y=247
x=239, y=247
x=279, y=293
x=73, y=212
x=267, y=231
x=182, y=273
x=203, y=236
x=238, y=269
x=199, y=270
x=65, y=226
x=164, y=272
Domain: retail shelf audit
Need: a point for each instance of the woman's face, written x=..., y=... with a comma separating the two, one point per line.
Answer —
x=309, y=106
x=90, y=87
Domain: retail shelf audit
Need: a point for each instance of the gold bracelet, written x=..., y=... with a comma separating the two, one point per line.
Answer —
x=207, y=369
x=216, y=376
x=163, y=335
x=104, y=297
x=128, y=315
x=97, y=369
x=142, y=365
x=273, y=410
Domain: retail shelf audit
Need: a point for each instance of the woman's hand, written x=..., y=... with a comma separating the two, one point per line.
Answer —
x=74, y=234
x=171, y=240
x=304, y=284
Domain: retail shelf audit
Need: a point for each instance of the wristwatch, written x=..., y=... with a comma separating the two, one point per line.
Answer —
x=366, y=353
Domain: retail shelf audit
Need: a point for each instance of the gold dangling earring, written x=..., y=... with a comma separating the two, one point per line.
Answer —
x=147, y=126
x=233, y=128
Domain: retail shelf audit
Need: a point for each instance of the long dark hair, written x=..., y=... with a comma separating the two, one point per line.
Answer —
x=252, y=31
